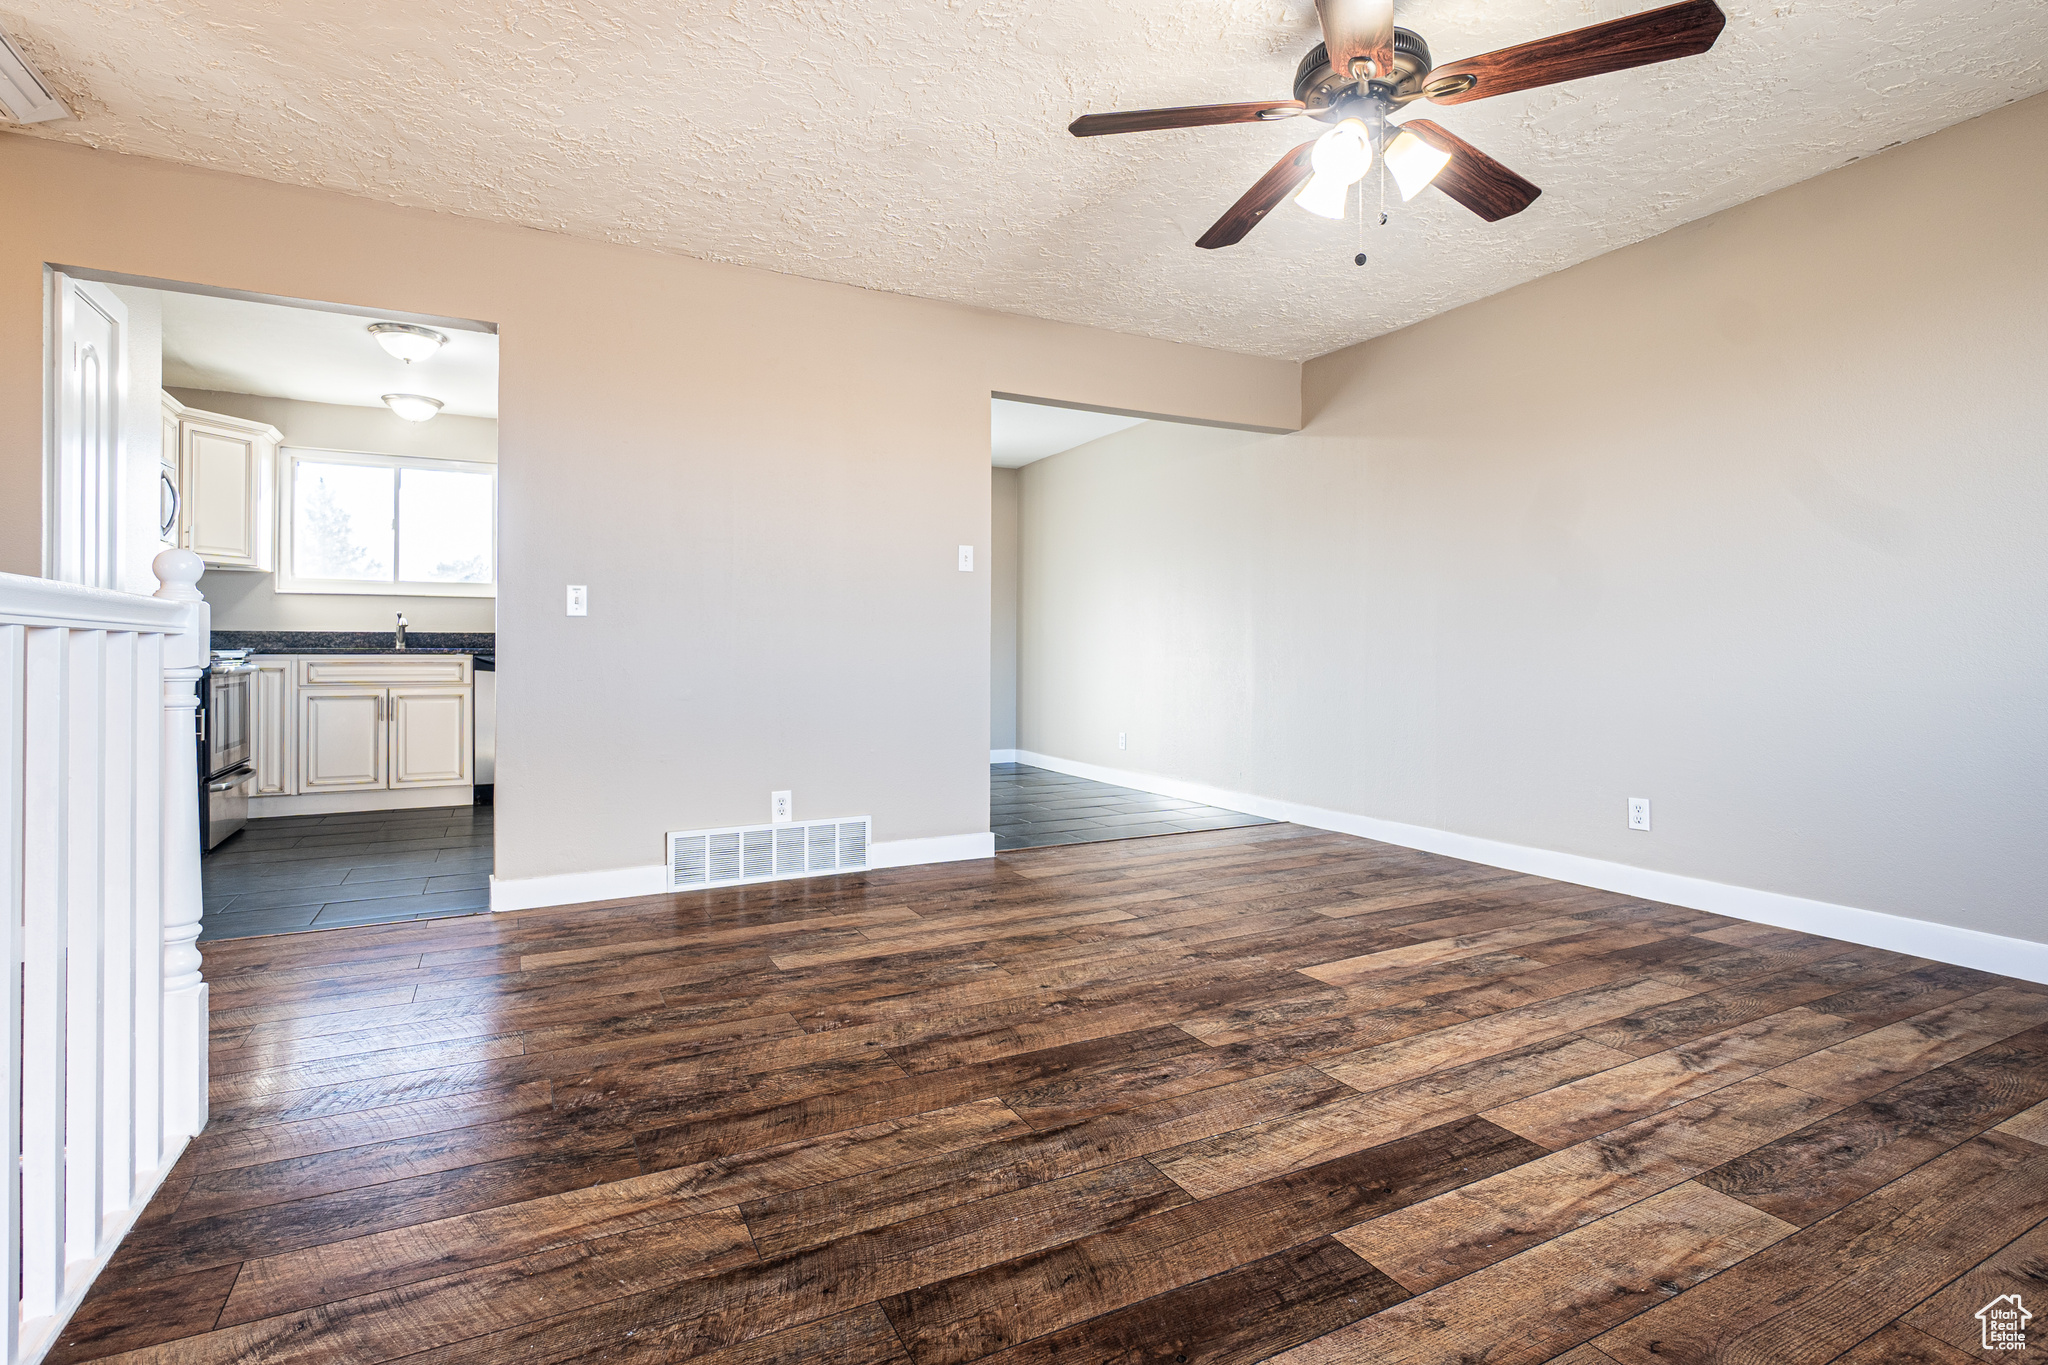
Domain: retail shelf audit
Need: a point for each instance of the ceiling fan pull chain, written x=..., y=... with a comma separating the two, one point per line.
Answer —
x=1360, y=258
x=1383, y=171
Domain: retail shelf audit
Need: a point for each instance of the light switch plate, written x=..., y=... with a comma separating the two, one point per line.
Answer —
x=966, y=559
x=579, y=599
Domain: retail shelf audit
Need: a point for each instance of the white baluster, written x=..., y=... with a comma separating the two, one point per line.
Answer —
x=185, y=1004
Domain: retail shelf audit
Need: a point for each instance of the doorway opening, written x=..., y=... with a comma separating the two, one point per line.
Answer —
x=335, y=469
x=1041, y=799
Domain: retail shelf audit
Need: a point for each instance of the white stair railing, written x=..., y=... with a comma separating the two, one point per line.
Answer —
x=99, y=844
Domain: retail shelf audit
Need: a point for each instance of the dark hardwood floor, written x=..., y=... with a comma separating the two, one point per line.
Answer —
x=1216, y=1097
x=1035, y=808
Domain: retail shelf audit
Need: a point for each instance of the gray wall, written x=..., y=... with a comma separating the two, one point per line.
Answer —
x=762, y=479
x=1747, y=519
x=250, y=601
x=1002, y=624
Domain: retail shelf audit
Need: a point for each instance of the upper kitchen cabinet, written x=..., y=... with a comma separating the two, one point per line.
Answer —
x=167, y=483
x=227, y=487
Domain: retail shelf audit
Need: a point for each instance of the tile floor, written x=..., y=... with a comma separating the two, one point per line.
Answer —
x=1032, y=808
x=327, y=871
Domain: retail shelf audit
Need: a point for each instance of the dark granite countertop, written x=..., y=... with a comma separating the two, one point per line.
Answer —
x=483, y=644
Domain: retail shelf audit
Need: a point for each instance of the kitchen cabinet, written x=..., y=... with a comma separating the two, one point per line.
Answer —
x=362, y=731
x=227, y=489
x=275, y=754
x=342, y=741
x=167, y=472
x=363, y=725
x=431, y=736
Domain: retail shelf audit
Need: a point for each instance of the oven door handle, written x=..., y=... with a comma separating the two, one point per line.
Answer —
x=232, y=780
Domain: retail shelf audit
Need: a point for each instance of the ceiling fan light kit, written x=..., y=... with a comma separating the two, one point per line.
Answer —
x=1338, y=160
x=1414, y=164
x=1366, y=69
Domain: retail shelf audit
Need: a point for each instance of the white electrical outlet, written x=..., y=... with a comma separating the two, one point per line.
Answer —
x=1639, y=812
x=781, y=808
x=1123, y=741
x=966, y=559
x=579, y=600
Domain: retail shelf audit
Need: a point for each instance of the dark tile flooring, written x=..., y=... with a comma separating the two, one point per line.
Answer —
x=1031, y=808
x=328, y=871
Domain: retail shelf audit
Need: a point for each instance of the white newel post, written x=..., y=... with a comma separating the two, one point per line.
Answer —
x=185, y=1033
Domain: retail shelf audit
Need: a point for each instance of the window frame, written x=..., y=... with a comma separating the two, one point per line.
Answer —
x=288, y=580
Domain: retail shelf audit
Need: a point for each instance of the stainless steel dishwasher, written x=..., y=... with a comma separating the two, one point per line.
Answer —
x=485, y=674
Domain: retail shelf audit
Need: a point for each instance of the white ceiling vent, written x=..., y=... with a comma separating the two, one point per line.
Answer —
x=701, y=858
x=24, y=96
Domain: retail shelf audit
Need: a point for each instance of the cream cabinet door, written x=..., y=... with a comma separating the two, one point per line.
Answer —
x=342, y=739
x=274, y=751
x=432, y=729
x=169, y=512
x=226, y=474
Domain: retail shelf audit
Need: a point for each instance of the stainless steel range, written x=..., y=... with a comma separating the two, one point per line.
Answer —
x=226, y=724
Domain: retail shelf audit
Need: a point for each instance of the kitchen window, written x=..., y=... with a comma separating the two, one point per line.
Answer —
x=387, y=525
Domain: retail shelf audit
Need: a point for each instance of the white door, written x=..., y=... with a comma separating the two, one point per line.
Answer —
x=82, y=544
x=221, y=483
x=341, y=738
x=431, y=729
x=270, y=699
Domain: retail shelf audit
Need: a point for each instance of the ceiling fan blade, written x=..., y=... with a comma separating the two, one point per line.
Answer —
x=1188, y=116
x=1472, y=177
x=1355, y=30
x=1659, y=35
x=1287, y=174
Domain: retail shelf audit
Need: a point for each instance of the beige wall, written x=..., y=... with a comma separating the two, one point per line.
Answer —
x=250, y=601
x=1748, y=519
x=1002, y=634
x=762, y=479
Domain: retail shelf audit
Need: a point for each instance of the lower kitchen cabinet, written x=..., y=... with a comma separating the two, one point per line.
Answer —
x=342, y=740
x=432, y=732
x=276, y=726
x=345, y=727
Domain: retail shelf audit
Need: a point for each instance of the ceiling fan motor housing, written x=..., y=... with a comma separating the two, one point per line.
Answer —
x=1327, y=93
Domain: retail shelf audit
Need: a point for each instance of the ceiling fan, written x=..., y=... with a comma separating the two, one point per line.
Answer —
x=1365, y=69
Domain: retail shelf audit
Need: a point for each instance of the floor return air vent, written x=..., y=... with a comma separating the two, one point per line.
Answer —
x=700, y=858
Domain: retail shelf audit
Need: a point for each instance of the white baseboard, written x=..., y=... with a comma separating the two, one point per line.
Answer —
x=946, y=848
x=1004, y=756
x=576, y=888
x=343, y=803
x=623, y=883
x=2022, y=958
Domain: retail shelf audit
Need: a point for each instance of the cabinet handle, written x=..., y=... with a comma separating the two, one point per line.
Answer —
x=170, y=521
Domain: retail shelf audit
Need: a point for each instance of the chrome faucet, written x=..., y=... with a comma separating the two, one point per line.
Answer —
x=399, y=634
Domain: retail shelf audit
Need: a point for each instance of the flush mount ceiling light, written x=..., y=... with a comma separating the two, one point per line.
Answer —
x=1366, y=68
x=413, y=407
x=24, y=94
x=407, y=342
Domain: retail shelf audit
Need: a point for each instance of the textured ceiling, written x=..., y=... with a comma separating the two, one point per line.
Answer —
x=918, y=146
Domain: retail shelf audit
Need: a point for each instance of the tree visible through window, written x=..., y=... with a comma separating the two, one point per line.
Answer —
x=410, y=524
